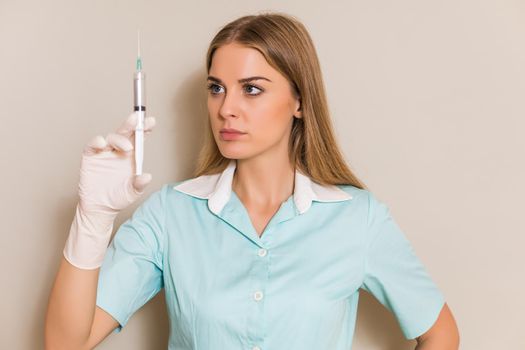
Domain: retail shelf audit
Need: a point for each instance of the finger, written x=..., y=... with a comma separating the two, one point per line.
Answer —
x=149, y=123
x=140, y=182
x=95, y=145
x=129, y=125
x=119, y=142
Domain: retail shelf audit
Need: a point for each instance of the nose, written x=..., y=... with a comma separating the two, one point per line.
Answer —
x=230, y=105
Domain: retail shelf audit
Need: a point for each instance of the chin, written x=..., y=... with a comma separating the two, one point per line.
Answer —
x=232, y=151
x=233, y=155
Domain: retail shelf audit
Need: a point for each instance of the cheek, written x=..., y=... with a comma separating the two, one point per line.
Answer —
x=276, y=111
x=270, y=120
x=213, y=109
x=211, y=105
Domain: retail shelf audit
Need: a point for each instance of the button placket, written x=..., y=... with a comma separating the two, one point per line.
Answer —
x=258, y=283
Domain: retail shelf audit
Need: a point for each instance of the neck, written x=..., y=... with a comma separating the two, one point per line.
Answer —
x=264, y=182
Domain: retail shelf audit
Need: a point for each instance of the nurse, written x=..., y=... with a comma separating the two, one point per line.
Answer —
x=267, y=245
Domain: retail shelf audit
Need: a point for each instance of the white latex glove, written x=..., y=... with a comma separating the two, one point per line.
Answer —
x=107, y=185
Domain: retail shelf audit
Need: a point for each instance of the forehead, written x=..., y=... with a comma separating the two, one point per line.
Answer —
x=234, y=61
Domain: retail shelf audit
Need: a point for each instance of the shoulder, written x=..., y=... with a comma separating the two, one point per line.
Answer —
x=366, y=200
x=360, y=197
x=162, y=195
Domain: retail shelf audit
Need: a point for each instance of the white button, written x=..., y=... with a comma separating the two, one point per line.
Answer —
x=258, y=295
x=262, y=252
x=256, y=348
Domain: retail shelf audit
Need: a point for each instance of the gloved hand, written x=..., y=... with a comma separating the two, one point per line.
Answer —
x=107, y=185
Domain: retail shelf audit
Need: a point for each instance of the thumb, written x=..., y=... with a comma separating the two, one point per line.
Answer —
x=141, y=181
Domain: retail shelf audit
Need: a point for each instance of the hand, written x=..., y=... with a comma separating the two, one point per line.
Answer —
x=107, y=181
x=107, y=185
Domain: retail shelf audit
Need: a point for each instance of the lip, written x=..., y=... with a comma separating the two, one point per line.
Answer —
x=231, y=136
x=231, y=131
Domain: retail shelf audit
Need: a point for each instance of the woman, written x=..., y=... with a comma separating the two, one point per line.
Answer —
x=267, y=246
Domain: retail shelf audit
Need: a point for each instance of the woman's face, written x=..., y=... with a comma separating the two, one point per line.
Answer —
x=262, y=109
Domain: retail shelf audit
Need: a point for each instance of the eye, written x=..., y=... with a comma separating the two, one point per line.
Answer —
x=253, y=86
x=212, y=86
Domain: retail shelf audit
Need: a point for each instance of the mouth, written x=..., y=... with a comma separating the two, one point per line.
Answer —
x=231, y=131
x=228, y=135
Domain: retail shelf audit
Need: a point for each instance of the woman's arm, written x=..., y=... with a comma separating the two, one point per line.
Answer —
x=443, y=335
x=71, y=307
x=73, y=321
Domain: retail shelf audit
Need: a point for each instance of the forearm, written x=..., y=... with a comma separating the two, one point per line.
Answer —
x=71, y=307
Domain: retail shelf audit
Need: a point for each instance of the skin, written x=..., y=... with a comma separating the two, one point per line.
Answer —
x=264, y=177
x=443, y=335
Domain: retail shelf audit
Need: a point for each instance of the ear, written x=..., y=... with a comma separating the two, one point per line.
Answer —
x=298, y=107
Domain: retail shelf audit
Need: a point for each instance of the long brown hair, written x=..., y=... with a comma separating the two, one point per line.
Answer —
x=286, y=45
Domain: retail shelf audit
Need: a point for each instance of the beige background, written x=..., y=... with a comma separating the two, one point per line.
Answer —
x=427, y=98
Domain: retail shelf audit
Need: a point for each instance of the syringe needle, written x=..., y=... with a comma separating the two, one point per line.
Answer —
x=138, y=42
x=139, y=59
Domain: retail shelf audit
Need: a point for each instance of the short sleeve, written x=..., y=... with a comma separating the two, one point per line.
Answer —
x=131, y=273
x=395, y=276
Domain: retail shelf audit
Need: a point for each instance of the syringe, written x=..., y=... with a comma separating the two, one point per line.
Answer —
x=139, y=104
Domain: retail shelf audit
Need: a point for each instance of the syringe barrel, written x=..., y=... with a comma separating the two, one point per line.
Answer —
x=139, y=91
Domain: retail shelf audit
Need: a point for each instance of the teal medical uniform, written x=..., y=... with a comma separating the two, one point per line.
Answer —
x=295, y=287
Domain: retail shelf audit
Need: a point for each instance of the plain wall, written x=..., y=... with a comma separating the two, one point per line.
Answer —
x=427, y=102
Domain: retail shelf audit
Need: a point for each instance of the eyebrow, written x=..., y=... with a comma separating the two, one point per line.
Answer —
x=244, y=80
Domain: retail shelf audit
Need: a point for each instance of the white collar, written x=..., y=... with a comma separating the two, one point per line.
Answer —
x=217, y=189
